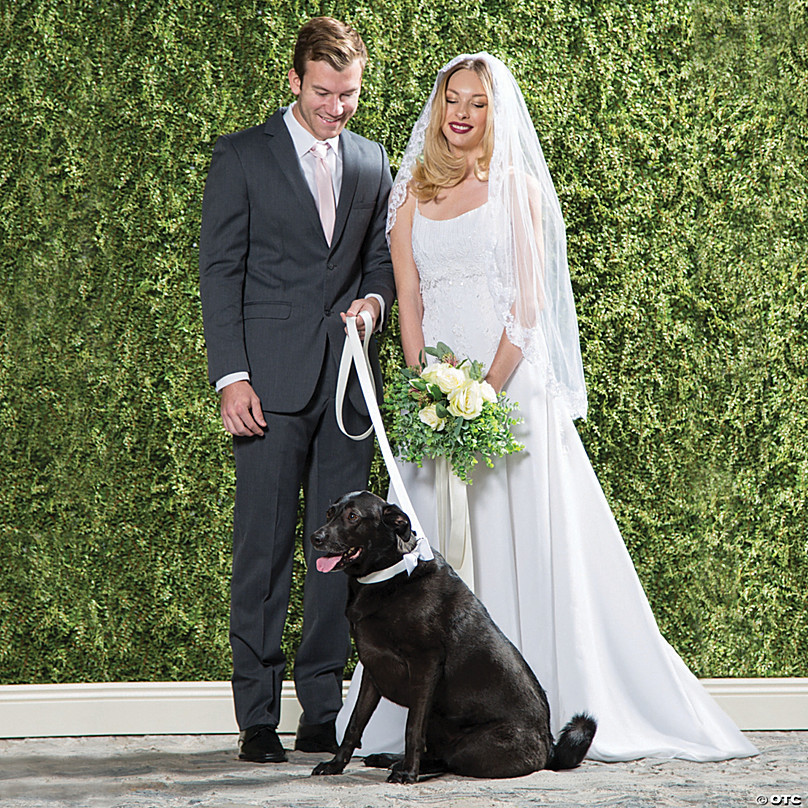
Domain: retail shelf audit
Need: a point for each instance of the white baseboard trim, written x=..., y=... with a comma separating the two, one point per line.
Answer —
x=201, y=708
x=762, y=704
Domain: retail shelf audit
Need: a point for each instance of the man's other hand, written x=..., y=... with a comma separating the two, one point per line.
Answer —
x=241, y=410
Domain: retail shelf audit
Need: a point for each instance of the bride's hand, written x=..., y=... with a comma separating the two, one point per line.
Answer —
x=494, y=382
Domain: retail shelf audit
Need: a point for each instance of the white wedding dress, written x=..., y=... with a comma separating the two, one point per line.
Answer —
x=549, y=562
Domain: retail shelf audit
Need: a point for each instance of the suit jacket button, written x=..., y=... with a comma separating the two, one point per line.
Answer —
x=331, y=266
x=328, y=312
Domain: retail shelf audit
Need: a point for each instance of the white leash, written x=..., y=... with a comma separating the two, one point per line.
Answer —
x=356, y=352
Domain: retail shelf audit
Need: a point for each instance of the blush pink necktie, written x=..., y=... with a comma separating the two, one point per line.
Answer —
x=325, y=190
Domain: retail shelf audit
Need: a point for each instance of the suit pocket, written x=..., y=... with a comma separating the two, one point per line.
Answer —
x=267, y=310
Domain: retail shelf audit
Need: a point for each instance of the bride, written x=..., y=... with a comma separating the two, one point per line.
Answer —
x=479, y=252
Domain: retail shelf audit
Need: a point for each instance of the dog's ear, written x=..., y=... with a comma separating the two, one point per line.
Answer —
x=399, y=523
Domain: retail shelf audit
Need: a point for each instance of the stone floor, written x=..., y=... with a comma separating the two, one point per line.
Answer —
x=173, y=771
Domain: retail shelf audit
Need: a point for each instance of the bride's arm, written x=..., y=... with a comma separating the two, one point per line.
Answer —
x=530, y=295
x=506, y=359
x=408, y=283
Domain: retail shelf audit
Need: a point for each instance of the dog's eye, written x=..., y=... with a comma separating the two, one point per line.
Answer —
x=353, y=516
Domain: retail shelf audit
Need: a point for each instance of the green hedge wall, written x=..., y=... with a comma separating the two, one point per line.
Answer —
x=676, y=133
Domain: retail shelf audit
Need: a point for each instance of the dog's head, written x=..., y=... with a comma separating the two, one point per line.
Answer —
x=363, y=534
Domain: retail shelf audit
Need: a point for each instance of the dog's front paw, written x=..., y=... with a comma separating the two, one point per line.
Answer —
x=401, y=775
x=329, y=767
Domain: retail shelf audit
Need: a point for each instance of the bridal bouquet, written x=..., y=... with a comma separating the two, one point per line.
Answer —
x=448, y=410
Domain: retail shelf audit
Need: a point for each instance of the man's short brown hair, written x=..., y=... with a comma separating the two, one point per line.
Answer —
x=324, y=39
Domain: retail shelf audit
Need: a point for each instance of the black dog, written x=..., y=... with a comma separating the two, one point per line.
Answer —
x=426, y=642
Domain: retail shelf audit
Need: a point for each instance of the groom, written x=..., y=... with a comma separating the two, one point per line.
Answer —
x=292, y=241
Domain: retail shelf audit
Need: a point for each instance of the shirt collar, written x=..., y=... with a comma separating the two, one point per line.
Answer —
x=302, y=139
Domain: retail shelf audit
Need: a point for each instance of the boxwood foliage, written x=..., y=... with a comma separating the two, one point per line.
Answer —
x=676, y=134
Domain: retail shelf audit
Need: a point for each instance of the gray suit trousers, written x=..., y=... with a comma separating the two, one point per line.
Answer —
x=303, y=448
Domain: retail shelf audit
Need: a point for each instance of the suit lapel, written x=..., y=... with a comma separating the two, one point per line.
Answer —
x=350, y=178
x=283, y=151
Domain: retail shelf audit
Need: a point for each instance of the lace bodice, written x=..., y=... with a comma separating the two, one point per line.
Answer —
x=451, y=257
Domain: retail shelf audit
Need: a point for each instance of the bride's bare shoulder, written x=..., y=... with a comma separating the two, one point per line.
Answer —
x=407, y=205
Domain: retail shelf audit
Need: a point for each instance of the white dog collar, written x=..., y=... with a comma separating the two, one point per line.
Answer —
x=409, y=561
x=383, y=575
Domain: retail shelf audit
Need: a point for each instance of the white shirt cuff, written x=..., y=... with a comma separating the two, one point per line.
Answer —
x=381, y=313
x=239, y=376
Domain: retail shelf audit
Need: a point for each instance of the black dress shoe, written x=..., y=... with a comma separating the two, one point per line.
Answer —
x=316, y=737
x=261, y=744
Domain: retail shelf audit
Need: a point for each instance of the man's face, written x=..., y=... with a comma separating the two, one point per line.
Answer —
x=326, y=98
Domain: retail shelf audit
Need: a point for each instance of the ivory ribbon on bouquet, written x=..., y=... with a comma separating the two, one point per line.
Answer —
x=454, y=527
x=356, y=353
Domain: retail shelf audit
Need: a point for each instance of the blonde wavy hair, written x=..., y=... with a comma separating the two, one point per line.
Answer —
x=437, y=167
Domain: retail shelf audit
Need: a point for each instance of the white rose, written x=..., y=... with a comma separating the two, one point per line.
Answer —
x=449, y=378
x=466, y=400
x=488, y=392
x=429, y=416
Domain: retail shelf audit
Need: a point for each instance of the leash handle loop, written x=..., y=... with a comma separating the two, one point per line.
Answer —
x=361, y=359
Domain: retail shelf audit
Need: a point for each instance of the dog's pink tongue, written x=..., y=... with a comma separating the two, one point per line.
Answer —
x=328, y=563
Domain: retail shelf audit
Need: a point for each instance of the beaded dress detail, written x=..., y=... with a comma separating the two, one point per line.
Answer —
x=451, y=256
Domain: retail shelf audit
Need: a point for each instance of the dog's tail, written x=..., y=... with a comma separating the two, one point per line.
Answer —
x=573, y=743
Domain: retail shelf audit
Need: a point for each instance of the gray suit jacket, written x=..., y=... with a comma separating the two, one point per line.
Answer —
x=272, y=288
